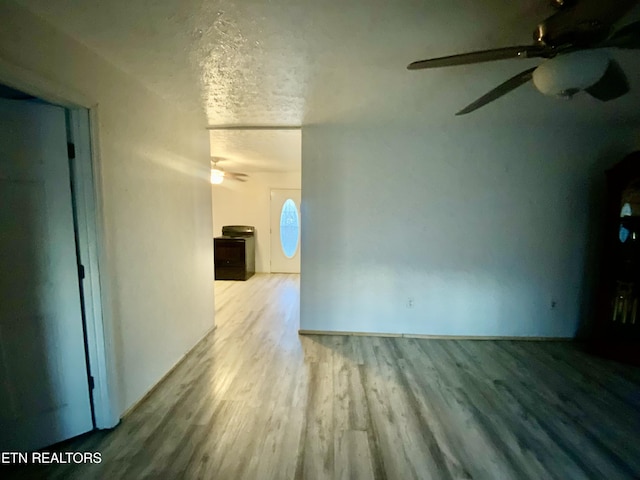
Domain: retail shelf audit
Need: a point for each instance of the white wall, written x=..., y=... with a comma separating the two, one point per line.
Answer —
x=155, y=195
x=481, y=226
x=236, y=203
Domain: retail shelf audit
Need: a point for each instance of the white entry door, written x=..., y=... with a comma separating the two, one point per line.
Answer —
x=44, y=388
x=285, y=231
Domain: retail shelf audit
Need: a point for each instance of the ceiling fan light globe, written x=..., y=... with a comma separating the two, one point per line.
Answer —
x=217, y=176
x=571, y=72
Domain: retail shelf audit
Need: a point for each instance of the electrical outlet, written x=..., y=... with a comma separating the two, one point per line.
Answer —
x=410, y=302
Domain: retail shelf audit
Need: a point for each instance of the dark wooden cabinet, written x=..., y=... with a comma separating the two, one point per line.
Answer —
x=617, y=329
x=234, y=258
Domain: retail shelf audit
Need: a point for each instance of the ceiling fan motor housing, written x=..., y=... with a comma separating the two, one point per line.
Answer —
x=554, y=33
x=584, y=23
x=561, y=3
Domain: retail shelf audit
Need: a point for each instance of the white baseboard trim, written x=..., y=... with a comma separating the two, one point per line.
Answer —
x=433, y=337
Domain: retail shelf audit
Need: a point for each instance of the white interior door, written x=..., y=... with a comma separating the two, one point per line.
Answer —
x=285, y=231
x=44, y=390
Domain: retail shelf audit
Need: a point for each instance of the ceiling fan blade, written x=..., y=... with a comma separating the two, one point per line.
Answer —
x=527, y=51
x=612, y=85
x=242, y=177
x=627, y=37
x=506, y=87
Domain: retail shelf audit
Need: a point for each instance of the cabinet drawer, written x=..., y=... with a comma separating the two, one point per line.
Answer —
x=229, y=249
x=230, y=262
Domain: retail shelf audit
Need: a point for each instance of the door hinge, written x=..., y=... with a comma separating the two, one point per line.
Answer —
x=92, y=382
x=81, y=271
x=71, y=150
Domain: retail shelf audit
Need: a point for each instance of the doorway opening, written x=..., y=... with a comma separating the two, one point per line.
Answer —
x=267, y=198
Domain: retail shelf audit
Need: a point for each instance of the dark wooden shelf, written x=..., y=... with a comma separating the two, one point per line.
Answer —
x=617, y=329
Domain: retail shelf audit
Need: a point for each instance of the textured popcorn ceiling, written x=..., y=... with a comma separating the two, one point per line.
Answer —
x=301, y=62
x=284, y=61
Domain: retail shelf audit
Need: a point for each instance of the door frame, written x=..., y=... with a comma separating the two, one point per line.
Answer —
x=86, y=173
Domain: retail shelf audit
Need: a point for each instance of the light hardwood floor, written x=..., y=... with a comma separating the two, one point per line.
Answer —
x=256, y=401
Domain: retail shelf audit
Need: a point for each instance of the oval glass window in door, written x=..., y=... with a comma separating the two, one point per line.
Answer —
x=289, y=228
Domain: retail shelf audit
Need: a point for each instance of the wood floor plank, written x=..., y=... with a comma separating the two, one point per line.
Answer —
x=349, y=402
x=449, y=434
x=317, y=450
x=353, y=456
x=256, y=401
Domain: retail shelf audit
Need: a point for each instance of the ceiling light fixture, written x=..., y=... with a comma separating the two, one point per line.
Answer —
x=568, y=74
x=217, y=176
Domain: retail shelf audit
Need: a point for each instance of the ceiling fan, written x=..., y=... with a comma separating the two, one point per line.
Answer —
x=572, y=42
x=218, y=175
